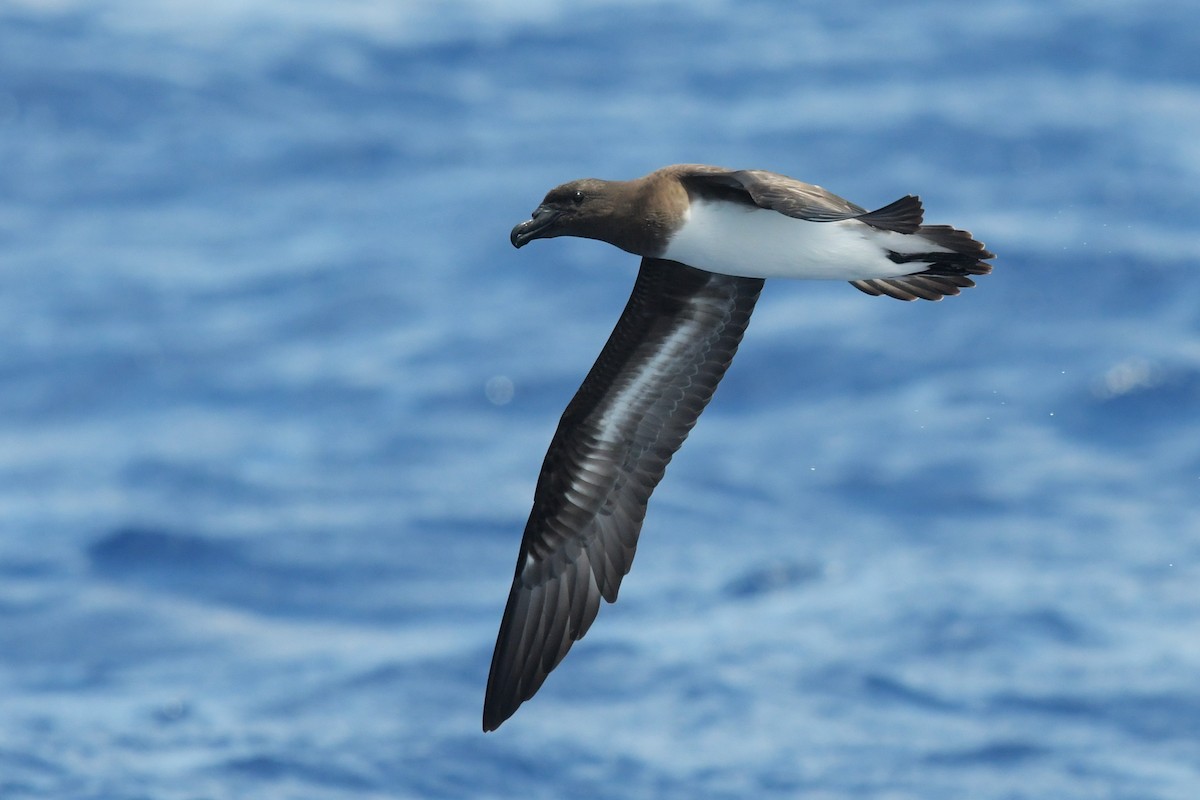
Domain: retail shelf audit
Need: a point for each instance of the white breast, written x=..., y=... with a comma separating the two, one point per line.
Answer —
x=756, y=243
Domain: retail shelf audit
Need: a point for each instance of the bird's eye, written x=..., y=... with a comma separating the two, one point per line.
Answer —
x=577, y=198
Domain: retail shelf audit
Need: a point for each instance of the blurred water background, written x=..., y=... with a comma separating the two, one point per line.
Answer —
x=275, y=390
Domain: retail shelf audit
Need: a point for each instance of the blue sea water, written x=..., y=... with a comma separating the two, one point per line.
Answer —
x=276, y=389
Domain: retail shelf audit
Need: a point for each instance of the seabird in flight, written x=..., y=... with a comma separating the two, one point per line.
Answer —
x=707, y=237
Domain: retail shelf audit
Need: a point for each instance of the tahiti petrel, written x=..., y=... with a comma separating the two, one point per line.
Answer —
x=707, y=237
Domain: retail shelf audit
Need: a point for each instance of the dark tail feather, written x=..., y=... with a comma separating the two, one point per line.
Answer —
x=960, y=242
x=945, y=274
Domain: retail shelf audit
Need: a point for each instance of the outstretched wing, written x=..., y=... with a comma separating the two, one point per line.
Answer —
x=670, y=348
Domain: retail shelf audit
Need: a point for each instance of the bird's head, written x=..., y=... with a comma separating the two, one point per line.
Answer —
x=579, y=208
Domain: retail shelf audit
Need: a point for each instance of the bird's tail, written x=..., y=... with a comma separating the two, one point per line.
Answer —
x=937, y=273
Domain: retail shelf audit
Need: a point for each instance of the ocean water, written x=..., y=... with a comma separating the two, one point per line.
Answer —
x=276, y=389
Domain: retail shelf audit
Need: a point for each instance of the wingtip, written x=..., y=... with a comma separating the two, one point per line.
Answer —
x=498, y=704
x=497, y=710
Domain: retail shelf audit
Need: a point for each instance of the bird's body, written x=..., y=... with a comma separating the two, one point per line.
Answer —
x=708, y=237
x=759, y=243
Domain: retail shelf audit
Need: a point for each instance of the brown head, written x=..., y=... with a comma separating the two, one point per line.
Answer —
x=583, y=208
x=631, y=215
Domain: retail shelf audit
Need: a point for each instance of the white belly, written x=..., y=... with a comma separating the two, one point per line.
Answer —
x=757, y=243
